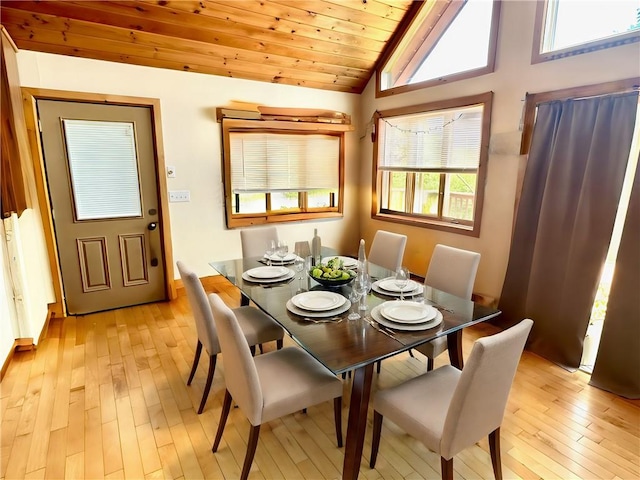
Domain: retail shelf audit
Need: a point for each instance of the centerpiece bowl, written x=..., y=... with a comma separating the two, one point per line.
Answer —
x=331, y=274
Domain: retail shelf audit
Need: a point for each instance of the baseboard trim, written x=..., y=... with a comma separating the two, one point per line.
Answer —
x=20, y=344
x=207, y=283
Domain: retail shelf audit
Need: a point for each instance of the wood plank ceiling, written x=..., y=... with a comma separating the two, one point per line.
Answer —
x=325, y=44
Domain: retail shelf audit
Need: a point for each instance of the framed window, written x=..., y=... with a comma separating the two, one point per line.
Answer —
x=431, y=164
x=444, y=42
x=566, y=27
x=278, y=171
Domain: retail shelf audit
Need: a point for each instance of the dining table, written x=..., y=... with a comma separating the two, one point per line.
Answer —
x=343, y=345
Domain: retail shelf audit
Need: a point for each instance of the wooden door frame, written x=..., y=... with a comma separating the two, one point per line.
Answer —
x=29, y=98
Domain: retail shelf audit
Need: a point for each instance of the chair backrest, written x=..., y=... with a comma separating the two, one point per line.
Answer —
x=254, y=240
x=453, y=270
x=387, y=249
x=478, y=403
x=200, y=308
x=240, y=373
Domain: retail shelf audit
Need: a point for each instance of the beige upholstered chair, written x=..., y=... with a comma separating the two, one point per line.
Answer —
x=449, y=410
x=387, y=249
x=256, y=327
x=452, y=270
x=254, y=240
x=271, y=385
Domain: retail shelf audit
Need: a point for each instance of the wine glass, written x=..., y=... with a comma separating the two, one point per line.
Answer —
x=270, y=250
x=354, y=298
x=402, y=280
x=282, y=250
x=298, y=265
x=362, y=285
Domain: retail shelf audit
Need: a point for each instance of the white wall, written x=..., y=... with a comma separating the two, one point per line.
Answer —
x=514, y=76
x=192, y=143
x=8, y=318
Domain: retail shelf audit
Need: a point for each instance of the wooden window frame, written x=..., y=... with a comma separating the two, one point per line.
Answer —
x=238, y=220
x=470, y=228
x=537, y=56
x=426, y=22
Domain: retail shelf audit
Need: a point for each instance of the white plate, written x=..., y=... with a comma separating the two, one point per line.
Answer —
x=408, y=312
x=290, y=274
x=347, y=262
x=378, y=317
x=390, y=286
x=418, y=291
x=288, y=258
x=318, y=300
x=328, y=313
x=267, y=272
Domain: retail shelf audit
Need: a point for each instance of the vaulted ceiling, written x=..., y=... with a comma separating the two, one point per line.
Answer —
x=326, y=44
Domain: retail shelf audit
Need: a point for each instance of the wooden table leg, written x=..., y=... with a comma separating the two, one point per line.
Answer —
x=454, y=344
x=358, y=408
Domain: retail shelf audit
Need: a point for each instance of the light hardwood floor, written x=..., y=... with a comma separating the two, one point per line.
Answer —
x=104, y=396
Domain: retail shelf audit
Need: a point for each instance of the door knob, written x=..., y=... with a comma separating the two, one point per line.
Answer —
x=152, y=226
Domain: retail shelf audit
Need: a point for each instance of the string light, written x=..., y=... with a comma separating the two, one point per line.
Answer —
x=421, y=132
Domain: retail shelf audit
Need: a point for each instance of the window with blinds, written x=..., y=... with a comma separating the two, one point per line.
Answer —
x=103, y=166
x=281, y=174
x=431, y=163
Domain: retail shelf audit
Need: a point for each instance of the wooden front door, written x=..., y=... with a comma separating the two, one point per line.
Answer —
x=101, y=171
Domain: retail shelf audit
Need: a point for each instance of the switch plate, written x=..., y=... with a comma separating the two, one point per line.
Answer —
x=179, y=196
x=171, y=172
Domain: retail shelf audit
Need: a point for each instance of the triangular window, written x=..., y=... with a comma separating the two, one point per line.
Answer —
x=445, y=41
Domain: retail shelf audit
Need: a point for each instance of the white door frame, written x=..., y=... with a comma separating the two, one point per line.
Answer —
x=30, y=97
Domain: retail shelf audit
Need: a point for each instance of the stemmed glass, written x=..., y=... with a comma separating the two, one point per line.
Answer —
x=362, y=285
x=282, y=250
x=298, y=264
x=354, y=298
x=270, y=250
x=402, y=280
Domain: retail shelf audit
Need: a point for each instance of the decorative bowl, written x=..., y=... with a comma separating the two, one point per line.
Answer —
x=331, y=282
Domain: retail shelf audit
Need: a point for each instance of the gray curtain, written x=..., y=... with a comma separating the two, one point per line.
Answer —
x=570, y=194
x=617, y=367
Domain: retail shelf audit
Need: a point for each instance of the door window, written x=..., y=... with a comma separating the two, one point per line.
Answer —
x=103, y=167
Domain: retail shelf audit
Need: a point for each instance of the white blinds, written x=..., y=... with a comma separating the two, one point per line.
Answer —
x=104, y=169
x=440, y=140
x=271, y=162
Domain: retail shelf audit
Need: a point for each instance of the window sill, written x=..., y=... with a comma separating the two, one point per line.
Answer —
x=445, y=226
x=248, y=220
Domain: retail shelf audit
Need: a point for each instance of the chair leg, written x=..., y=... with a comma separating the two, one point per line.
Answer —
x=196, y=359
x=447, y=468
x=261, y=349
x=226, y=406
x=279, y=343
x=252, y=349
x=337, y=414
x=378, y=365
x=375, y=439
x=494, y=448
x=251, y=451
x=207, y=386
x=411, y=353
x=429, y=364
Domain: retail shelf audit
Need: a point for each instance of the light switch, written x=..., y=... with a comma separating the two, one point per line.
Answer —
x=179, y=196
x=171, y=172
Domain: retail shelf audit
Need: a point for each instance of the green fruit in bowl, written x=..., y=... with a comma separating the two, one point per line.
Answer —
x=332, y=273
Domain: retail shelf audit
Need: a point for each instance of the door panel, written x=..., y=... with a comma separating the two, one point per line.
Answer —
x=101, y=172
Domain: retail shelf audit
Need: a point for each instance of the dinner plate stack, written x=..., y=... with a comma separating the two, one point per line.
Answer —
x=288, y=259
x=318, y=303
x=406, y=315
x=387, y=286
x=273, y=274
